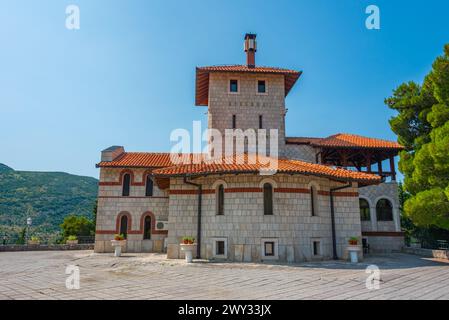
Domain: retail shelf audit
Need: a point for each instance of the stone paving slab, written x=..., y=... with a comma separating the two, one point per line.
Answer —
x=41, y=275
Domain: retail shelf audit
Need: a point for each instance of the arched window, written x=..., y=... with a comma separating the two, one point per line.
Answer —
x=268, y=199
x=124, y=226
x=149, y=187
x=220, y=200
x=147, y=228
x=126, y=184
x=313, y=201
x=384, y=210
x=364, y=210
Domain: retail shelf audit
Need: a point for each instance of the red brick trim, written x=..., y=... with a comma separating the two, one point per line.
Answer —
x=133, y=182
x=292, y=190
x=382, y=234
x=153, y=224
x=130, y=231
x=206, y=191
x=339, y=194
x=131, y=197
x=183, y=191
x=117, y=222
x=233, y=190
x=278, y=190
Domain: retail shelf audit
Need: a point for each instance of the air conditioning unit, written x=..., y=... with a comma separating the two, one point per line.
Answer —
x=161, y=225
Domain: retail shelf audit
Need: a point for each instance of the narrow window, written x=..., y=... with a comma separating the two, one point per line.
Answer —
x=261, y=88
x=364, y=210
x=269, y=248
x=234, y=121
x=267, y=199
x=220, y=248
x=124, y=226
x=260, y=122
x=384, y=210
x=149, y=187
x=147, y=228
x=316, y=248
x=220, y=200
x=126, y=184
x=313, y=201
x=233, y=86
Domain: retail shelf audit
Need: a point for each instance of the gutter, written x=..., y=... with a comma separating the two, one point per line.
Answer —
x=200, y=198
x=331, y=197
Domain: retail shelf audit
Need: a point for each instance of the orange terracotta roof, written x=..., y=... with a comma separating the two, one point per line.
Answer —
x=140, y=160
x=244, y=164
x=344, y=140
x=202, y=78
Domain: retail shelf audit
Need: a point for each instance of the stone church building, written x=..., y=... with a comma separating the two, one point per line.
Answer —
x=324, y=191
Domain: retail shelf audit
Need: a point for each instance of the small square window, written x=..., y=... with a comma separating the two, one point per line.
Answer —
x=233, y=86
x=220, y=248
x=316, y=248
x=269, y=248
x=261, y=87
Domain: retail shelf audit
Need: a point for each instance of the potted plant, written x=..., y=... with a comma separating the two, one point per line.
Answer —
x=117, y=243
x=72, y=240
x=188, y=246
x=34, y=241
x=354, y=249
x=188, y=240
x=353, y=241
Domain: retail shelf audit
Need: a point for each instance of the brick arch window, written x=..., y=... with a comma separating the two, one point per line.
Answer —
x=147, y=227
x=365, y=214
x=126, y=184
x=384, y=210
x=220, y=199
x=267, y=199
x=148, y=186
x=124, y=223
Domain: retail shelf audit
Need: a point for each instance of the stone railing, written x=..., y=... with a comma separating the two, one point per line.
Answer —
x=46, y=247
x=429, y=253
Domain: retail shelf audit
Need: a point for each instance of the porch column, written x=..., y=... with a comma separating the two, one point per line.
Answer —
x=392, y=168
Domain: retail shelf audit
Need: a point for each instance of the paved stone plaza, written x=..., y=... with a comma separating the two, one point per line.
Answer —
x=41, y=275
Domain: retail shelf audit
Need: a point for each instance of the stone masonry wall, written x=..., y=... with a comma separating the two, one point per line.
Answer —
x=300, y=152
x=247, y=104
x=111, y=204
x=382, y=236
x=244, y=224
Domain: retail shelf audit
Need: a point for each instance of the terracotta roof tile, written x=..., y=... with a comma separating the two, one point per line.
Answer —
x=244, y=164
x=140, y=160
x=202, y=78
x=344, y=140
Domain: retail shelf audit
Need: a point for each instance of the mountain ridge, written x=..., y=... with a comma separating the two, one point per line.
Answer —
x=46, y=197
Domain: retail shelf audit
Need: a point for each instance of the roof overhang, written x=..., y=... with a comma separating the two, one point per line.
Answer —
x=202, y=78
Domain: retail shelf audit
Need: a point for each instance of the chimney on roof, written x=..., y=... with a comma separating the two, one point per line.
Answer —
x=250, y=49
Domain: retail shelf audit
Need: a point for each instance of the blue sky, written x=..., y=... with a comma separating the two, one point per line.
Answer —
x=127, y=76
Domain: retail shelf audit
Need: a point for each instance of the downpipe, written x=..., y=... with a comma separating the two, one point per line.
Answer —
x=200, y=198
x=334, y=237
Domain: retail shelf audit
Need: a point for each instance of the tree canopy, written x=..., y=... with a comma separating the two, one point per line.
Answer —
x=422, y=126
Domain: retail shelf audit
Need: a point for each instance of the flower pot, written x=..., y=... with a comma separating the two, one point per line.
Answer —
x=117, y=245
x=188, y=251
x=352, y=242
x=353, y=251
